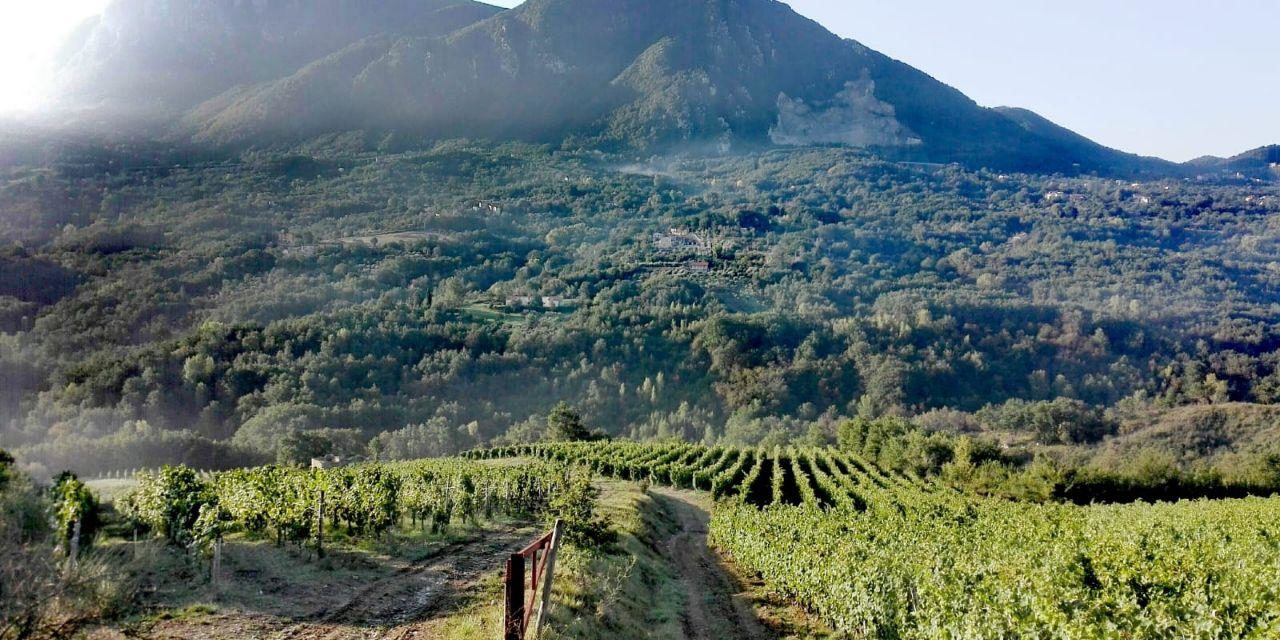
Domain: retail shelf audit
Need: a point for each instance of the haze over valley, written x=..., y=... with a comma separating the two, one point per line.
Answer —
x=663, y=270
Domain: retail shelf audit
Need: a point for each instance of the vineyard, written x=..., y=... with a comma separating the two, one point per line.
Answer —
x=821, y=478
x=871, y=553
x=977, y=568
x=887, y=556
x=292, y=505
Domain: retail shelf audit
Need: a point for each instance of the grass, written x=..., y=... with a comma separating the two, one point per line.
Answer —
x=290, y=582
x=631, y=590
x=406, y=542
x=478, y=619
x=482, y=312
x=188, y=613
x=624, y=592
x=108, y=489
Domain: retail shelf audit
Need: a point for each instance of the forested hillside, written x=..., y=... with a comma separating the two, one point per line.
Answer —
x=346, y=296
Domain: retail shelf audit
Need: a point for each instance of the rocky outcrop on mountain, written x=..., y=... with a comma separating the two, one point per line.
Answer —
x=853, y=117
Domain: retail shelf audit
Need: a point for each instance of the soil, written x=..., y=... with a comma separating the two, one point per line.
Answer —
x=412, y=600
x=717, y=605
x=405, y=605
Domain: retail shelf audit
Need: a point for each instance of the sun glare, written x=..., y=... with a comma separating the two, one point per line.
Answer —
x=30, y=33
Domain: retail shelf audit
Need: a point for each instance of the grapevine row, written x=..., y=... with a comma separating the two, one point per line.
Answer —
x=817, y=478
x=947, y=565
x=363, y=502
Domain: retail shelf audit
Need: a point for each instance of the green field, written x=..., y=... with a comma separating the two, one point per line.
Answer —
x=881, y=555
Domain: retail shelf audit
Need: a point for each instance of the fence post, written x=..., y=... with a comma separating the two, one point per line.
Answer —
x=320, y=527
x=513, y=610
x=215, y=571
x=544, y=604
x=73, y=553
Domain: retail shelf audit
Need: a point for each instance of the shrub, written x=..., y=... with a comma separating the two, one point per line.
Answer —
x=168, y=502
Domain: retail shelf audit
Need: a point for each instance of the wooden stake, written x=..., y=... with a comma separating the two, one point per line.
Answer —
x=544, y=604
x=320, y=527
x=513, y=610
x=215, y=573
x=74, y=556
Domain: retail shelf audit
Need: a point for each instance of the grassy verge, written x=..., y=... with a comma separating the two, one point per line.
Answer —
x=632, y=590
x=480, y=618
x=627, y=591
x=260, y=581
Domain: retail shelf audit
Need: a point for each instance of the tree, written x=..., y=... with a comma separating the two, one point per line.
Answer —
x=26, y=564
x=565, y=424
x=198, y=368
x=885, y=392
x=871, y=438
x=1062, y=421
x=299, y=447
x=267, y=429
x=6, y=466
x=429, y=440
x=575, y=503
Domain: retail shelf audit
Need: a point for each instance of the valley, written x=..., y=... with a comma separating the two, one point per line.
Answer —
x=325, y=319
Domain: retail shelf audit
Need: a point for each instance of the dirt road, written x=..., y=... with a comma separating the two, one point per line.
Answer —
x=404, y=606
x=412, y=602
x=716, y=607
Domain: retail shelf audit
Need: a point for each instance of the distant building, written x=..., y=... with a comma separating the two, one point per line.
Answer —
x=488, y=207
x=1054, y=196
x=677, y=240
x=516, y=302
x=699, y=266
x=554, y=302
x=327, y=462
x=1075, y=197
x=305, y=251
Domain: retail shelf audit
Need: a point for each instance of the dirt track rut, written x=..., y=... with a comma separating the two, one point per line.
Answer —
x=404, y=605
x=715, y=605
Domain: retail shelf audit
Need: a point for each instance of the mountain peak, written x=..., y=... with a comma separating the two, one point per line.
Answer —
x=639, y=74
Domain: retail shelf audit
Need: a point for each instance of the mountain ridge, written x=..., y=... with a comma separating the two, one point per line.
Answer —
x=635, y=75
x=171, y=55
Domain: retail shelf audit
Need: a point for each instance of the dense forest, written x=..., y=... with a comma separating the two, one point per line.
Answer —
x=350, y=296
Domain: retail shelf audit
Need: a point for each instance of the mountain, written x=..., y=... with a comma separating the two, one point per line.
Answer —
x=625, y=74
x=1267, y=157
x=1261, y=163
x=1085, y=151
x=160, y=57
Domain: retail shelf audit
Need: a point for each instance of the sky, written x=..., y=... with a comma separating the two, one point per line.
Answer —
x=30, y=31
x=1171, y=78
